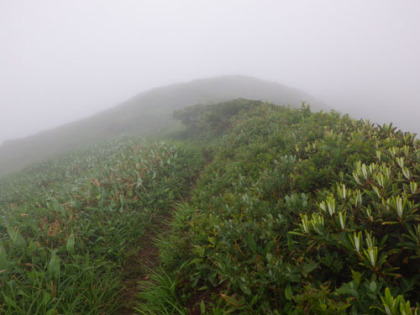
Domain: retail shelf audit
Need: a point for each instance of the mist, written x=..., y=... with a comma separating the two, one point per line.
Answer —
x=64, y=60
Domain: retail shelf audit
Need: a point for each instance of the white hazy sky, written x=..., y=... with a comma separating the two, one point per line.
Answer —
x=64, y=60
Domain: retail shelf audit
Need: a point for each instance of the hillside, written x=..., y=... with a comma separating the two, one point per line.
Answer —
x=298, y=213
x=148, y=113
x=263, y=209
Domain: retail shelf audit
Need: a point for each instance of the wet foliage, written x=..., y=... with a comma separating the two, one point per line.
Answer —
x=68, y=225
x=288, y=212
x=299, y=212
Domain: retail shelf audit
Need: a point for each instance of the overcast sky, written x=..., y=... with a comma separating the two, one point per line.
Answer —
x=64, y=60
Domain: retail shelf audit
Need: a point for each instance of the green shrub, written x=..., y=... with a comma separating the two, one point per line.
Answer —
x=275, y=219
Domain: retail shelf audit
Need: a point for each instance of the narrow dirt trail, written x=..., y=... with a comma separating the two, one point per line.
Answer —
x=140, y=264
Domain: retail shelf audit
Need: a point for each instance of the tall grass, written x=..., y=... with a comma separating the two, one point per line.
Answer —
x=69, y=224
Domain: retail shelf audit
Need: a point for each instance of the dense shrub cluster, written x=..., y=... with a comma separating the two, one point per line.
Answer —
x=299, y=212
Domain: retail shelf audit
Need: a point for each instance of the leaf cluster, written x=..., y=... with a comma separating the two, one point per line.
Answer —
x=299, y=212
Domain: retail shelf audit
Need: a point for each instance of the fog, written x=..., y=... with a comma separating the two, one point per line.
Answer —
x=64, y=60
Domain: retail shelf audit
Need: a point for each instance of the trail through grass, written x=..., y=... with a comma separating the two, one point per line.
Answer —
x=297, y=213
x=138, y=267
x=69, y=226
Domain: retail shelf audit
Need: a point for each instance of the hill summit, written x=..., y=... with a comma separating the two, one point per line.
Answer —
x=147, y=113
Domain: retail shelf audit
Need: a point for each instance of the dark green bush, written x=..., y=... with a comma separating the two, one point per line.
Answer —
x=274, y=218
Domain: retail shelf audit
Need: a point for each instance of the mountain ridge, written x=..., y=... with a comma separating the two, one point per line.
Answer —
x=145, y=114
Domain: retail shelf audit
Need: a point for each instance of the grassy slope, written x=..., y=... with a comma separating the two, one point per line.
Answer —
x=275, y=219
x=272, y=225
x=145, y=114
x=68, y=226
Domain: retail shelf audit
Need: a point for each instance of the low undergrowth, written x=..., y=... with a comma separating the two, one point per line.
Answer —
x=68, y=225
x=294, y=212
x=299, y=212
